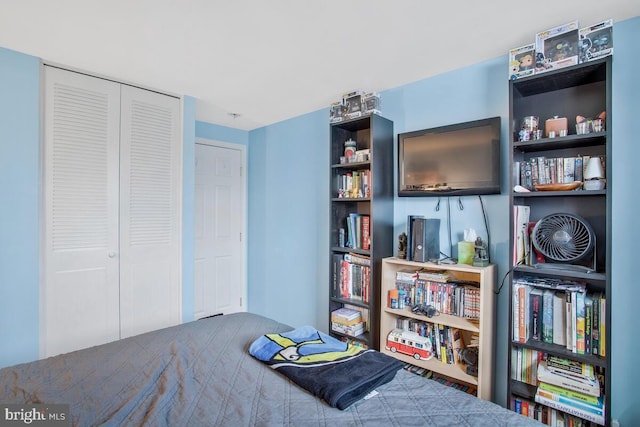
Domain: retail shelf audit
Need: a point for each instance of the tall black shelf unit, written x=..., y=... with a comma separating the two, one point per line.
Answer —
x=375, y=134
x=584, y=90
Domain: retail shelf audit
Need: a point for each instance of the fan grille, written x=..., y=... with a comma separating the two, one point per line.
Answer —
x=563, y=237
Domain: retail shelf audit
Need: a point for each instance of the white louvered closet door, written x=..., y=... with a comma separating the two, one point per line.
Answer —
x=112, y=209
x=80, y=284
x=149, y=211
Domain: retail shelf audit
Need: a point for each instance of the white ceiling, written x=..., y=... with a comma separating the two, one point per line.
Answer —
x=269, y=60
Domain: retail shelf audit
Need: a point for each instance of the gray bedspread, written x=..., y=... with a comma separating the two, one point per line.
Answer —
x=201, y=374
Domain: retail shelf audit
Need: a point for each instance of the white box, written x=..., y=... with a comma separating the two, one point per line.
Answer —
x=522, y=61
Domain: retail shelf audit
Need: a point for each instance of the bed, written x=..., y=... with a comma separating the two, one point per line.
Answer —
x=201, y=373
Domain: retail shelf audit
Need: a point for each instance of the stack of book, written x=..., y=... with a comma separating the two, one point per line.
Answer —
x=571, y=387
x=347, y=321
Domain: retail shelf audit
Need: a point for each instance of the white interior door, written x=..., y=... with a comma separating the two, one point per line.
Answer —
x=220, y=282
x=150, y=206
x=80, y=283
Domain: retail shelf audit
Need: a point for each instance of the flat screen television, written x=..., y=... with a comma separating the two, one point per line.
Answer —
x=458, y=159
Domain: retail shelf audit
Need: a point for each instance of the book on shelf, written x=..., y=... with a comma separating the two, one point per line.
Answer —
x=441, y=276
x=571, y=367
x=593, y=413
x=520, y=234
x=364, y=313
x=586, y=386
x=602, y=329
x=547, y=315
x=559, y=319
x=594, y=400
x=346, y=316
x=570, y=320
x=535, y=313
x=351, y=330
x=521, y=309
x=580, y=334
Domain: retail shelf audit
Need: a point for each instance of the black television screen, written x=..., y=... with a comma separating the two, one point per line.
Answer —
x=458, y=159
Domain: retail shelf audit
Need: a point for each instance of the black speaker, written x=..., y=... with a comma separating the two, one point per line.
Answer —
x=425, y=239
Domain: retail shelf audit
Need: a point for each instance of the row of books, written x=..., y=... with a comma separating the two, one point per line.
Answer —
x=524, y=364
x=561, y=313
x=454, y=384
x=442, y=380
x=432, y=288
x=446, y=341
x=354, y=184
x=546, y=414
x=550, y=170
x=358, y=231
x=352, y=276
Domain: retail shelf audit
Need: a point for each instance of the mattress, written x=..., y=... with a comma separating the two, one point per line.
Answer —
x=201, y=374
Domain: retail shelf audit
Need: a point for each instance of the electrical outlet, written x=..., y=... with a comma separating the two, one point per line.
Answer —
x=615, y=423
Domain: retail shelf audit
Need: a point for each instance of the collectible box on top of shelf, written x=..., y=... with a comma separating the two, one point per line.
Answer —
x=522, y=61
x=336, y=112
x=371, y=103
x=353, y=104
x=596, y=41
x=557, y=47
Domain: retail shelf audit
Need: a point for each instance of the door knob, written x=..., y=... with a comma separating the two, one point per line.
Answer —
x=112, y=254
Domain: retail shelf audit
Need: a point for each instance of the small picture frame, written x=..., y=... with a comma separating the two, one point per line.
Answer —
x=522, y=61
x=596, y=41
x=557, y=47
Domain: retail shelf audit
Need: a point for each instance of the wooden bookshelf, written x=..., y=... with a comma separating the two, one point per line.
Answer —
x=483, y=326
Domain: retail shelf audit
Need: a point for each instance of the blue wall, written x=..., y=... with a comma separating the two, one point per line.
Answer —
x=624, y=185
x=19, y=212
x=288, y=220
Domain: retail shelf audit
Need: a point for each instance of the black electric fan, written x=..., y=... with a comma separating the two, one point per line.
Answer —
x=565, y=239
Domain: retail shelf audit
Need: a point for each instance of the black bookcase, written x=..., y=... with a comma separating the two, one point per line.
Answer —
x=580, y=90
x=368, y=198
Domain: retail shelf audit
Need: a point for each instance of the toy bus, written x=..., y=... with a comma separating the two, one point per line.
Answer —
x=410, y=343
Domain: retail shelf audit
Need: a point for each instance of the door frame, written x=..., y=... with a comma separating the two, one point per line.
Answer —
x=243, y=209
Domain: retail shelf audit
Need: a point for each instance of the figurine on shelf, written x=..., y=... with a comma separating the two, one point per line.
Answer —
x=481, y=256
x=402, y=245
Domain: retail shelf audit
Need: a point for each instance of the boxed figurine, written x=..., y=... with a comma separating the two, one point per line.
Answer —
x=371, y=103
x=353, y=104
x=557, y=47
x=336, y=112
x=522, y=61
x=596, y=41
